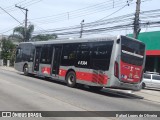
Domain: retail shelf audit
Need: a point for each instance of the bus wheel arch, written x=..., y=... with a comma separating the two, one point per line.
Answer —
x=70, y=78
x=25, y=69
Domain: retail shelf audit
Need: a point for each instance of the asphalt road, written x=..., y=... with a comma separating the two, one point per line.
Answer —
x=22, y=93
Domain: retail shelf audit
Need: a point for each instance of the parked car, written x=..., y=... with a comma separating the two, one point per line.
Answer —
x=151, y=79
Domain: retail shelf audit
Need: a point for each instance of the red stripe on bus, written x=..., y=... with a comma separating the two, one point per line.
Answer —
x=90, y=77
x=62, y=72
x=46, y=70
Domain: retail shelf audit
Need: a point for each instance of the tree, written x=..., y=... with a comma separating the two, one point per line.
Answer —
x=8, y=50
x=19, y=33
x=44, y=37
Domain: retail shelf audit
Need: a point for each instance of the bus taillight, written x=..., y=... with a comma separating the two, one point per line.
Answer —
x=116, y=69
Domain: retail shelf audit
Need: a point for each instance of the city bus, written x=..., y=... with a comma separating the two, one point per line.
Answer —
x=112, y=62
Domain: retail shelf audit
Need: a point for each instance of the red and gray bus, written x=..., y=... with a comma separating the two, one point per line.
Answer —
x=114, y=62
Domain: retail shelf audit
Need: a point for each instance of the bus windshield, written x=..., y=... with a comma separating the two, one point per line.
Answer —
x=132, y=52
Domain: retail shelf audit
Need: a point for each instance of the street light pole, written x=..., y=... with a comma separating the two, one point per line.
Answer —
x=82, y=23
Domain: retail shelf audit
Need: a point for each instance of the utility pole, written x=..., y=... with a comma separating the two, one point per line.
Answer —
x=82, y=22
x=136, y=20
x=25, y=37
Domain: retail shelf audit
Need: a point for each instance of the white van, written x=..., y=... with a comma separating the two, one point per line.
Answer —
x=151, y=79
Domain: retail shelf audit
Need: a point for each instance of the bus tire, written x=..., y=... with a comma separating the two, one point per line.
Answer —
x=25, y=70
x=95, y=88
x=71, y=79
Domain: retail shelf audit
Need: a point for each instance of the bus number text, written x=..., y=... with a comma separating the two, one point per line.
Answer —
x=82, y=62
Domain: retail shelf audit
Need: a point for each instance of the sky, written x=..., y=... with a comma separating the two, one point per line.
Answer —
x=52, y=14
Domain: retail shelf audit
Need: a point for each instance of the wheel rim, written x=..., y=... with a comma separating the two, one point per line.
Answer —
x=71, y=79
x=25, y=70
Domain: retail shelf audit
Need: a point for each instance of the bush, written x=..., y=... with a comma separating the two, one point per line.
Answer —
x=8, y=51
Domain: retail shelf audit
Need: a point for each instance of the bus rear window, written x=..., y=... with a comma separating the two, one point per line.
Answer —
x=132, y=46
x=132, y=51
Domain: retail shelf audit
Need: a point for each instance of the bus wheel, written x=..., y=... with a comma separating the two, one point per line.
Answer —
x=25, y=70
x=95, y=88
x=71, y=79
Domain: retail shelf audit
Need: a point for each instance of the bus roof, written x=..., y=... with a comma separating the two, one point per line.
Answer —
x=74, y=40
x=77, y=40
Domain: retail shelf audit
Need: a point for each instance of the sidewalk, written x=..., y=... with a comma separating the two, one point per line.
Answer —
x=8, y=68
x=147, y=94
x=152, y=95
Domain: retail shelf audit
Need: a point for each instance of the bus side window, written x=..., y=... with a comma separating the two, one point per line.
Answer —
x=101, y=55
x=69, y=54
x=46, y=54
x=83, y=55
x=32, y=54
x=18, y=55
x=25, y=52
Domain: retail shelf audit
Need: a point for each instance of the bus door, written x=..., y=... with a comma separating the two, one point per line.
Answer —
x=37, y=58
x=56, y=60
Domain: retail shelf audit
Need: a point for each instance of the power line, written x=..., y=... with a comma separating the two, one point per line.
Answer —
x=12, y=6
x=112, y=13
x=84, y=11
x=129, y=25
x=11, y=15
x=11, y=29
x=76, y=13
x=104, y=25
x=123, y=18
x=21, y=3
